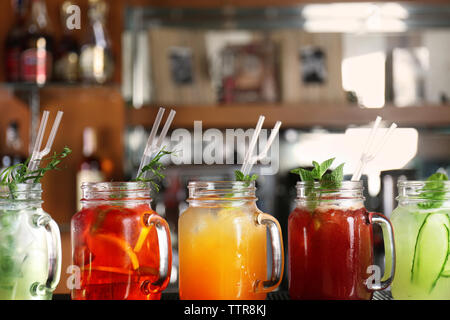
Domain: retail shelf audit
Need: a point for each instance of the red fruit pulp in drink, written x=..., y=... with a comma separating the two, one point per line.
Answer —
x=117, y=253
x=330, y=250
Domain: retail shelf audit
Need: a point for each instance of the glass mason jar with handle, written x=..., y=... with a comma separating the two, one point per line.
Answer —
x=422, y=238
x=30, y=245
x=331, y=244
x=120, y=245
x=222, y=240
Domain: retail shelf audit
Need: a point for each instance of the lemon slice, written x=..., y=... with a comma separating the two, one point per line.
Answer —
x=123, y=245
x=431, y=251
x=143, y=235
x=141, y=239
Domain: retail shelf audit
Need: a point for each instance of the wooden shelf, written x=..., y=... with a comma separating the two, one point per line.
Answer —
x=255, y=3
x=294, y=116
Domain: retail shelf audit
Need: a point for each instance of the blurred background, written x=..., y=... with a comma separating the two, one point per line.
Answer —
x=324, y=69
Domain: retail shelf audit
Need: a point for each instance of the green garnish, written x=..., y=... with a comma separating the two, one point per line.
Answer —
x=19, y=173
x=327, y=181
x=330, y=180
x=434, y=191
x=154, y=167
x=246, y=178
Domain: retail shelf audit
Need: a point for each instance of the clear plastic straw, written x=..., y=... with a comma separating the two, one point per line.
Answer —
x=367, y=155
x=37, y=155
x=39, y=137
x=252, y=144
x=151, y=147
x=250, y=160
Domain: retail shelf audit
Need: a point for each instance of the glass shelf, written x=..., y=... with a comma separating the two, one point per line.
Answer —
x=413, y=15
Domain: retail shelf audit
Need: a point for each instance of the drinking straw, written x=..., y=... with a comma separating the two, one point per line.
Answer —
x=151, y=148
x=250, y=160
x=37, y=155
x=368, y=156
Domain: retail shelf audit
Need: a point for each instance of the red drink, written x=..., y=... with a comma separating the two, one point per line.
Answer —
x=117, y=250
x=329, y=253
x=331, y=245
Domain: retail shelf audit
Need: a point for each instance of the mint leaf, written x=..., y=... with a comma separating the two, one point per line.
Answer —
x=304, y=174
x=239, y=175
x=246, y=178
x=327, y=181
x=434, y=191
x=324, y=166
x=316, y=171
x=338, y=174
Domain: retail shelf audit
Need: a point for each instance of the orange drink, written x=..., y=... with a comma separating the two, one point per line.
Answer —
x=222, y=244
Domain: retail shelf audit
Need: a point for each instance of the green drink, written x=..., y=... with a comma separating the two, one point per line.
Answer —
x=422, y=238
x=30, y=249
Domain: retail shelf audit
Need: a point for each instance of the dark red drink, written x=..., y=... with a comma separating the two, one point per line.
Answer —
x=330, y=249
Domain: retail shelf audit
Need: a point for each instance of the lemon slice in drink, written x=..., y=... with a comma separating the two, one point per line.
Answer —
x=431, y=251
x=114, y=251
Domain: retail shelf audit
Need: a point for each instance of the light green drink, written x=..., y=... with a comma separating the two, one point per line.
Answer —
x=30, y=249
x=421, y=225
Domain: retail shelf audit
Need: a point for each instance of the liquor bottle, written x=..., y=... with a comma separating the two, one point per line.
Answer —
x=13, y=144
x=36, y=57
x=14, y=42
x=96, y=60
x=90, y=168
x=67, y=51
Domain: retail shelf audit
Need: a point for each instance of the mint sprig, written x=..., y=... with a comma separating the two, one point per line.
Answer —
x=327, y=181
x=246, y=178
x=434, y=191
x=332, y=180
x=155, y=167
x=19, y=173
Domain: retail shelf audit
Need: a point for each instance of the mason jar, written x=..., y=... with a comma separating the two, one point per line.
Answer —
x=222, y=239
x=331, y=244
x=421, y=224
x=121, y=248
x=30, y=245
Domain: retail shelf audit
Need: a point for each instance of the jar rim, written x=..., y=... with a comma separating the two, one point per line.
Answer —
x=224, y=183
x=116, y=191
x=23, y=191
x=116, y=185
x=221, y=190
x=348, y=191
x=346, y=185
x=417, y=190
x=418, y=183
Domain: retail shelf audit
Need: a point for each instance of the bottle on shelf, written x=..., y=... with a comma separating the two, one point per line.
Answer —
x=14, y=42
x=96, y=59
x=90, y=168
x=37, y=54
x=67, y=50
x=13, y=147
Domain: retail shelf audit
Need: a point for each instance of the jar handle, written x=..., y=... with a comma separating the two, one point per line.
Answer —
x=53, y=238
x=165, y=252
x=389, y=245
x=276, y=241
